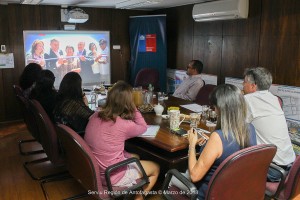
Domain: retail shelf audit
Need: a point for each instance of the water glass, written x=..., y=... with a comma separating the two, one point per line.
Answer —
x=160, y=97
x=204, y=117
x=205, y=108
x=213, y=116
x=194, y=119
x=92, y=101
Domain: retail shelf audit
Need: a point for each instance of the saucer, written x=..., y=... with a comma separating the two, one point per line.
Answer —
x=165, y=116
x=210, y=124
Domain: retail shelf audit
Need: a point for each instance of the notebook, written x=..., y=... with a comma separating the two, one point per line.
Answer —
x=151, y=131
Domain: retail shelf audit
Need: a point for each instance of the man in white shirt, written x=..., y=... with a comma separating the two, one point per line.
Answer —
x=190, y=87
x=266, y=115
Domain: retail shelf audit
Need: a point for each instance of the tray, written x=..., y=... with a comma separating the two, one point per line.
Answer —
x=146, y=108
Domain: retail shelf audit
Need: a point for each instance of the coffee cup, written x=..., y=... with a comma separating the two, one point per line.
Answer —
x=175, y=119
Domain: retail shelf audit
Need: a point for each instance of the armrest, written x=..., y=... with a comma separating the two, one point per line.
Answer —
x=174, y=172
x=110, y=169
x=283, y=175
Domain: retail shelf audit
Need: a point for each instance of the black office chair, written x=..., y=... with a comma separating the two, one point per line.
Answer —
x=29, y=121
x=202, y=97
x=49, y=141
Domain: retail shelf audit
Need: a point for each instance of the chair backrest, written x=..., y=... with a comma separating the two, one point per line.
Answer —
x=28, y=117
x=47, y=133
x=18, y=90
x=243, y=174
x=146, y=76
x=280, y=101
x=202, y=97
x=80, y=160
x=292, y=182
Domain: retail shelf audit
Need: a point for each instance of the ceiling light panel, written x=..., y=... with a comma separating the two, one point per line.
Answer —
x=129, y=4
x=31, y=2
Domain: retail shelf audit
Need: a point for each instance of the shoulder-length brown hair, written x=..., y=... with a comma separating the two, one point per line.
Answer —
x=119, y=102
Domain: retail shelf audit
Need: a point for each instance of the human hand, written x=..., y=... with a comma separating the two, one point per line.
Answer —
x=192, y=137
x=201, y=141
x=202, y=138
x=82, y=58
x=42, y=62
x=60, y=61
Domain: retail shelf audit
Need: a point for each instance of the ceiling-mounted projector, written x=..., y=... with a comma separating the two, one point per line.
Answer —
x=77, y=15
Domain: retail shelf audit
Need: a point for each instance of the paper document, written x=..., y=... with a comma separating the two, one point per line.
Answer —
x=151, y=131
x=193, y=107
x=205, y=131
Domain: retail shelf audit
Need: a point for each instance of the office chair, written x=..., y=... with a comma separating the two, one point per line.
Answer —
x=48, y=139
x=29, y=121
x=147, y=76
x=242, y=175
x=83, y=166
x=280, y=101
x=289, y=186
x=202, y=97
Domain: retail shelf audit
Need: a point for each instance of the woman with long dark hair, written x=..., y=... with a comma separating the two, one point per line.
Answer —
x=44, y=92
x=71, y=105
x=28, y=77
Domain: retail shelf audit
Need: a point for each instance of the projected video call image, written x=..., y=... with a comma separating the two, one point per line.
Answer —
x=84, y=52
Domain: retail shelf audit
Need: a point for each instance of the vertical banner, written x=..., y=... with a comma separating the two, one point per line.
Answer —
x=148, y=45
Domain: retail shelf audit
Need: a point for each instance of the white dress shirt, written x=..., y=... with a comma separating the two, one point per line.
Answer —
x=266, y=115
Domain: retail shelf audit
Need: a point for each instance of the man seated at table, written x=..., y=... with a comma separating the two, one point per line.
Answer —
x=190, y=87
x=265, y=113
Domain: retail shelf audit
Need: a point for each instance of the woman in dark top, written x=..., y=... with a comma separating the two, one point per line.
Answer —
x=231, y=135
x=71, y=104
x=28, y=77
x=44, y=92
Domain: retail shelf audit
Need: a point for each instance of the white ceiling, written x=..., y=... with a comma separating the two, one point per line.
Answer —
x=109, y=3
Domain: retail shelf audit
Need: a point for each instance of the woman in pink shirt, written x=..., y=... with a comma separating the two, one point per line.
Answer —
x=107, y=131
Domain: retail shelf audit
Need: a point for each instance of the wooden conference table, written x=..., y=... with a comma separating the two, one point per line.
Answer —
x=167, y=149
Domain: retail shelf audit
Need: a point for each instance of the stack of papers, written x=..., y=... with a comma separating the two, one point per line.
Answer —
x=193, y=107
x=151, y=131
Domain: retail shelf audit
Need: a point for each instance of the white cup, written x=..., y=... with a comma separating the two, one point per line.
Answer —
x=175, y=119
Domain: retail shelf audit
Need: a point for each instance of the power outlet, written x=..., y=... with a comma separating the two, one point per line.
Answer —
x=117, y=47
x=3, y=48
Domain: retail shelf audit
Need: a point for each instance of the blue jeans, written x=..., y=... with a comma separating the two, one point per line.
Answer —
x=274, y=175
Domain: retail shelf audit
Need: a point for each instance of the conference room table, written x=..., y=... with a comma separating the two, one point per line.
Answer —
x=167, y=149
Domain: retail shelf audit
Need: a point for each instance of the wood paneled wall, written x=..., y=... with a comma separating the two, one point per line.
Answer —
x=270, y=37
x=16, y=18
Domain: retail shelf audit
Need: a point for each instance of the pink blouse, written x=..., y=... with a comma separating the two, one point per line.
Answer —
x=107, y=139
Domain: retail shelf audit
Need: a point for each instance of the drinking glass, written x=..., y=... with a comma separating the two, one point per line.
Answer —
x=160, y=97
x=92, y=101
x=205, y=108
x=204, y=117
x=213, y=116
x=194, y=119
